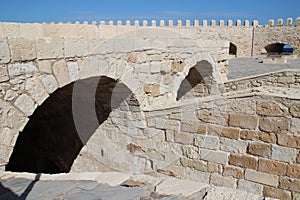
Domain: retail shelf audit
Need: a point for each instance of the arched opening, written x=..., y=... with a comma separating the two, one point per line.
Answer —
x=232, y=49
x=279, y=49
x=52, y=138
x=197, y=83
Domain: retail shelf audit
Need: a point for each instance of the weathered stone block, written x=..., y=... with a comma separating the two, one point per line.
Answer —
x=207, y=142
x=214, y=156
x=178, y=65
x=271, y=108
x=152, y=90
x=283, y=154
x=37, y=91
x=194, y=163
x=276, y=193
x=4, y=51
x=274, y=125
x=295, y=126
x=235, y=172
x=289, y=184
x=25, y=104
x=61, y=73
x=260, y=149
x=45, y=66
x=76, y=47
x=214, y=167
x=233, y=146
x=230, y=132
x=295, y=110
x=272, y=167
x=50, y=47
x=73, y=71
x=21, y=68
x=289, y=140
x=3, y=73
x=190, y=151
x=260, y=177
x=293, y=170
x=49, y=82
x=243, y=121
x=196, y=175
x=250, y=187
x=223, y=181
x=8, y=136
x=184, y=138
x=243, y=161
x=22, y=49
x=257, y=135
x=213, y=117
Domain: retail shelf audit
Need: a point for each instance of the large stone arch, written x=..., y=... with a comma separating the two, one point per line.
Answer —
x=163, y=57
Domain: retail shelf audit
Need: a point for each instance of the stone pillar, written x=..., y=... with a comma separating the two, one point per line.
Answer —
x=238, y=22
x=136, y=23
x=196, y=22
x=230, y=23
x=289, y=22
x=145, y=23
x=222, y=23
x=171, y=23
x=127, y=22
x=213, y=22
x=162, y=23
x=271, y=22
x=187, y=23
x=119, y=23
x=255, y=23
x=153, y=22
x=247, y=23
x=179, y=23
x=204, y=22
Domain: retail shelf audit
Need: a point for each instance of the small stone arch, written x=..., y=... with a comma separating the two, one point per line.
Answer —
x=278, y=49
x=53, y=138
x=232, y=49
x=198, y=81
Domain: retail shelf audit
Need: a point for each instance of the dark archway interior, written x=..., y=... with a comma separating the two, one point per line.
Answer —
x=51, y=140
x=197, y=82
x=232, y=49
x=279, y=48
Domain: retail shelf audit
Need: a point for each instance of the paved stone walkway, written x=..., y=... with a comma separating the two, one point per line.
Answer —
x=110, y=186
x=243, y=67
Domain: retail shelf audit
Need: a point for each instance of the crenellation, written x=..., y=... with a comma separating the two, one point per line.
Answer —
x=162, y=23
x=204, y=22
x=229, y=23
x=153, y=23
x=187, y=23
x=136, y=23
x=111, y=23
x=280, y=22
x=196, y=23
x=179, y=23
x=247, y=23
x=221, y=23
x=255, y=23
x=213, y=22
x=271, y=22
x=289, y=21
x=145, y=23
x=298, y=21
x=238, y=22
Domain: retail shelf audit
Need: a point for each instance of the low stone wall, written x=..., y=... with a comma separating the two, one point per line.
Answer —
x=248, y=142
x=286, y=78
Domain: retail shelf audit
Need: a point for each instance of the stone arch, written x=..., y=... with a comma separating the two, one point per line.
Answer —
x=198, y=81
x=232, y=49
x=278, y=49
x=51, y=140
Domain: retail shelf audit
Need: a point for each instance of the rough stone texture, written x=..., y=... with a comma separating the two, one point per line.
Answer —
x=243, y=121
x=4, y=51
x=214, y=156
x=246, y=161
x=260, y=177
x=76, y=47
x=295, y=110
x=45, y=66
x=233, y=171
x=25, y=104
x=220, y=180
x=207, y=142
x=283, y=154
x=3, y=73
x=184, y=138
x=50, y=47
x=233, y=146
x=49, y=82
x=259, y=149
x=290, y=184
x=293, y=171
x=276, y=193
x=20, y=69
x=257, y=135
x=274, y=125
x=273, y=109
x=272, y=167
x=22, y=49
x=61, y=73
x=250, y=187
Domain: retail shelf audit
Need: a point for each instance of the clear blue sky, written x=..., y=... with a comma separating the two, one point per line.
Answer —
x=96, y=10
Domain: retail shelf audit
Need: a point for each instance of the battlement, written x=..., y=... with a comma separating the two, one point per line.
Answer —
x=187, y=23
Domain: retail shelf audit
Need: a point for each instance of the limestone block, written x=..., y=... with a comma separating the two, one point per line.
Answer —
x=4, y=51
x=3, y=74
x=31, y=30
x=113, y=178
x=250, y=187
x=243, y=161
x=243, y=121
x=235, y=172
x=292, y=141
x=295, y=126
x=260, y=177
x=272, y=167
x=50, y=47
x=207, y=142
x=22, y=49
x=25, y=104
x=260, y=149
x=172, y=186
x=10, y=95
x=45, y=66
x=293, y=171
x=35, y=88
x=194, y=163
x=5, y=152
x=276, y=193
x=73, y=71
x=233, y=145
x=283, y=154
x=195, y=175
x=290, y=184
x=49, y=82
x=228, y=193
x=214, y=156
x=219, y=180
x=270, y=108
x=21, y=69
x=76, y=47
x=184, y=138
x=61, y=73
x=69, y=30
x=8, y=137
x=257, y=135
x=11, y=117
x=295, y=110
x=190, y=152
x=49, y=30
x=11, y=29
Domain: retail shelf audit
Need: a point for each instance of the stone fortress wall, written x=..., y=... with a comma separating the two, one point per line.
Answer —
x=241, y=134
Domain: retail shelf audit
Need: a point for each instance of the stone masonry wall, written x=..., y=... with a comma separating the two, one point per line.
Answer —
x=248, y=142
x=286, y=79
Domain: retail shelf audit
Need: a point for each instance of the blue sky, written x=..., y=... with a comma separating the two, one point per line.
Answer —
x=96, y=10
